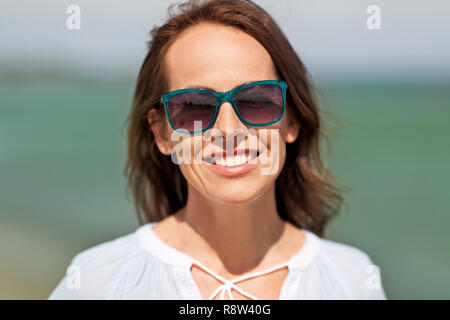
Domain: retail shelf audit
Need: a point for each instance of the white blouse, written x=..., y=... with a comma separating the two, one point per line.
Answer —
x=142, y=266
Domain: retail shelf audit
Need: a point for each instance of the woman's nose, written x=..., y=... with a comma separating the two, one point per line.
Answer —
x=227, y=119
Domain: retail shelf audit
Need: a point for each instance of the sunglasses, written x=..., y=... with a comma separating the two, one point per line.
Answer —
x=257, y=103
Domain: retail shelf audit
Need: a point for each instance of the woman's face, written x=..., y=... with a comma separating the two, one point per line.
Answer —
x=221, y=58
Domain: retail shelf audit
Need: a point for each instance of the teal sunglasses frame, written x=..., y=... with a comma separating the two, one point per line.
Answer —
x=223, y=97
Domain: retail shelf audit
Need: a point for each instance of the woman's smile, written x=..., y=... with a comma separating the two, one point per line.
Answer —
x=232, y=165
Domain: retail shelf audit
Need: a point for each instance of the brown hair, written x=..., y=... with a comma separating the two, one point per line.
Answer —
x=305, y=193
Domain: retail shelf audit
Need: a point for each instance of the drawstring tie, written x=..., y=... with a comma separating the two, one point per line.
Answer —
x=230, y=284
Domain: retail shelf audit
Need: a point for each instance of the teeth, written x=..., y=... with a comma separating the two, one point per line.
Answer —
x=234, y=161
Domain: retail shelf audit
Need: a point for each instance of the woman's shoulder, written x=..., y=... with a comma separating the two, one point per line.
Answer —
x=317, y=247
x=340, y=251
x=93, y=272
x=111, y=249
x=349, y=267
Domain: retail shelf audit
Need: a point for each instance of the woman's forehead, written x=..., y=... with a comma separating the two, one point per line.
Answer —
x=218, y=56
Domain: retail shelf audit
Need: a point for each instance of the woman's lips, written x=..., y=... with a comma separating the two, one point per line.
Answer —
x=233, y=170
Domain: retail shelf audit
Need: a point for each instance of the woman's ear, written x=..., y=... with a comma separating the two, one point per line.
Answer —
x=159, y=130
x=292, y=130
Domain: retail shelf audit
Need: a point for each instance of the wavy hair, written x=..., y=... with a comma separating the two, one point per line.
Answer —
x=306, y=193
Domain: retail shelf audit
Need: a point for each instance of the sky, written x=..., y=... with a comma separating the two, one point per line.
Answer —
x=330, y=36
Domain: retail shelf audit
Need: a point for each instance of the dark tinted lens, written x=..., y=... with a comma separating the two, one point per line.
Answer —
x=185, y=108
x=259, y=104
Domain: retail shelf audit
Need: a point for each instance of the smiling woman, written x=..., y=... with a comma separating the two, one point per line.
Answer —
x=208, y=225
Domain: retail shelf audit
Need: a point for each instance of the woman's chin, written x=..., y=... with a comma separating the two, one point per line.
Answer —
x=236, y=194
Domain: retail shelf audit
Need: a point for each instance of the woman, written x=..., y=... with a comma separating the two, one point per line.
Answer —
x=226, y=173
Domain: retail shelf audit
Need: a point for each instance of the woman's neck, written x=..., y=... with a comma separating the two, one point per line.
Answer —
x=239, y=235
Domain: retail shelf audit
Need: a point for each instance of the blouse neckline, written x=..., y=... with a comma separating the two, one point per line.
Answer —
x=169, y=255
x=189, y=288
